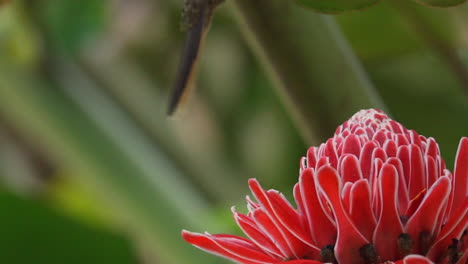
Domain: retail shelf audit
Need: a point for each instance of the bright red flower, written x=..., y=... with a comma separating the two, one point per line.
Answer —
x=375, y=192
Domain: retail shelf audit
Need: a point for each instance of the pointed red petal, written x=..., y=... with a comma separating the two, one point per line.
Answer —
x=349, y=239
x=301, y=209
x=460, y=182
x=455, y=218
x=289, y=218
x=207, y=244
x=269, y=228
x=323, y=230
x=298, y=199
x=264, y=201
x=251, y=204
x=425, y=217
x=361, y=210
x=241, y=247
x=453, y=229
x=389, y=227
x=237, y=240
x=276, y=212
x=256, y=235
x=302, y=261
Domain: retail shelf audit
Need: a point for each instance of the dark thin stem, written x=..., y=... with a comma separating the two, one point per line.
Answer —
x=197, y=17
x=190, y=54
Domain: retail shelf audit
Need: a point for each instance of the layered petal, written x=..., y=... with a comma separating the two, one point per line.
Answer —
x=349, y=240
x=322, y=227
x=234, y=248
x=460, y=183
x=389, y=227
x=255, y=234
x=422, y=225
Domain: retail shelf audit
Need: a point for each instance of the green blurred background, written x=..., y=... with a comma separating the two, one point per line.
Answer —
x=93, y=171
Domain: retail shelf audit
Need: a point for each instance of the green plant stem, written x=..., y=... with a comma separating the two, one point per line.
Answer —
x=309, y=62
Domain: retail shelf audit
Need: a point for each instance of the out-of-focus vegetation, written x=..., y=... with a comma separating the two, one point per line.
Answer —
x=93, y=171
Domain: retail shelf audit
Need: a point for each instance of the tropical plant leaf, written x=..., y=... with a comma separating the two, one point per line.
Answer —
x=383, y=31
x=34, y=233
x=441, y=3
x=336, y=6
x=89, y=19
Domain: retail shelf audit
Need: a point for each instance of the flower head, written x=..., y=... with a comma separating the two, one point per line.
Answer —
x=375, y=192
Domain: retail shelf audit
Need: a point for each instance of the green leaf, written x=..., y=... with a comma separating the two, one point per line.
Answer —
x=364, y=29
x=72, y=23
x=441, y=3
x=336, y=6
x=34, y=233
x=364, y=32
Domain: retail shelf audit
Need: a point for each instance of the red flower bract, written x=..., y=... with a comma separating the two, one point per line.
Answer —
x=375, y=192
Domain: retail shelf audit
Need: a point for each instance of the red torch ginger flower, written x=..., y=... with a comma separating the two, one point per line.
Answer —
x=375, y=192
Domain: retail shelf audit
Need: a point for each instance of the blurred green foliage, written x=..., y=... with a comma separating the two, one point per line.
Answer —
x=69, y=23
x=92, y=171
x=338, y=6
x=33, y=233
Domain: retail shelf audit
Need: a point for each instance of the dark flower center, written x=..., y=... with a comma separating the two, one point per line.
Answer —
x=328, y=254
x=453, y=251
x=369, y=254
x=405, y=244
